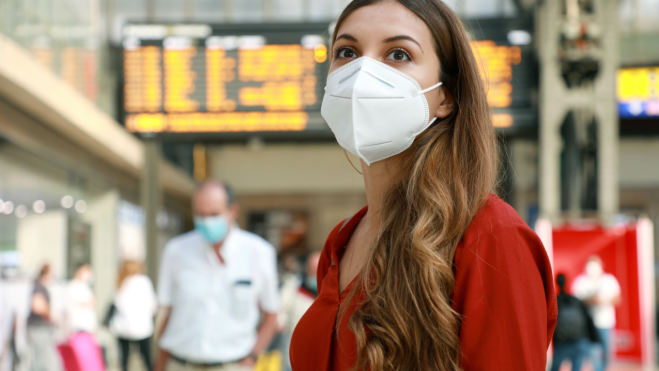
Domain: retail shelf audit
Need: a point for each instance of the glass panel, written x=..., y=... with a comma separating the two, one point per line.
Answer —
x=130, y=9
x=321, y=10
x=648, y=15
x=170, y=10
x=289, y=10
x=247, y=10
x=209, y=10
x=481, y=9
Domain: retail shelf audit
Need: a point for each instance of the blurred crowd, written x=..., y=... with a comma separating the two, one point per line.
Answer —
x=46, y=324
x=224, y=301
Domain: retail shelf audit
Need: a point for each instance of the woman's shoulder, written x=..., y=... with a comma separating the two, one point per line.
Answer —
x=499, y=237
x=502, y=272
x=494, y=218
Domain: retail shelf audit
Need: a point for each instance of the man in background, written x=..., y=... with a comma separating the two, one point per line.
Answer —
x=216, y=282
x=600, y=292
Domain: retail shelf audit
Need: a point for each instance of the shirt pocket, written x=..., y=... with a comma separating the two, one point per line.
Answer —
x=242, y=298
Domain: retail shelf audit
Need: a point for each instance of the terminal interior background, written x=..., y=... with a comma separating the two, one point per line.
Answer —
x=71, y=174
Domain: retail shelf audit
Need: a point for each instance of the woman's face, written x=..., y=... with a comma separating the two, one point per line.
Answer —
x=392, y=34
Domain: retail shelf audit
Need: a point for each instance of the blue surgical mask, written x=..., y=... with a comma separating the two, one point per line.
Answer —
x=212, y=228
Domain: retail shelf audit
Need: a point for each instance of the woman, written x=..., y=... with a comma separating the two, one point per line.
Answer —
x=135, y=305
x=297, y=295
x=80, y=303
x=435, y=273
x=40, y=326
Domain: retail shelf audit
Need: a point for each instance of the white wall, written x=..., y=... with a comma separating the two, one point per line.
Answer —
x=102, y=215
x=639, y=162
x=42, y=238
x=285, y=168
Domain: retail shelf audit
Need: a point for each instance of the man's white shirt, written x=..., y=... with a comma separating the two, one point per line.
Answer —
x=215, y=306
x=605, y=288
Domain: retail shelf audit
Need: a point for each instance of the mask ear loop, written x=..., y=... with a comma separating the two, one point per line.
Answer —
x=350, y=161
x=431, y=88
x=427, y=90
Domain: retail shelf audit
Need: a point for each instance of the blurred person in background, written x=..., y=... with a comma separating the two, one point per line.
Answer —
x=135, y=306
x=297, y=295
x=290, y=267
x=600, y=292
x=213, y=281
x=6, y=318
x=9, y=277
x=40, y=328
x=80, y=303
x=574, y=332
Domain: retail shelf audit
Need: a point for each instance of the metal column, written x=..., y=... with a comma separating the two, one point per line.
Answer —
x=557, y=99
x=552, y=109
x=151, y=197
x=607, y=114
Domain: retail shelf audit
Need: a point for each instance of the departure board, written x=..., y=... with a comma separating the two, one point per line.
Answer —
x=246, y=78
x=504, y=52
x=638, y=92
x=495, y=64
x=205, y=79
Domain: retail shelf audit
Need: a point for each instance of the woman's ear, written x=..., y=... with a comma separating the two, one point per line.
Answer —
x=445, y=107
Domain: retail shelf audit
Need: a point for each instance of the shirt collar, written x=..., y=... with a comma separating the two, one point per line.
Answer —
x=228, y=247
x=344, y=233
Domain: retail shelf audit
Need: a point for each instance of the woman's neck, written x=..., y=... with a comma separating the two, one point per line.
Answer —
x=378, y=179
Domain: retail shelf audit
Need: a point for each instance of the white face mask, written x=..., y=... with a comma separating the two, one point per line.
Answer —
x=374, y=110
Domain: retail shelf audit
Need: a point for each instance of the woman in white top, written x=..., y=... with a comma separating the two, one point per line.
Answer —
x=136, y=305
x=80, y=303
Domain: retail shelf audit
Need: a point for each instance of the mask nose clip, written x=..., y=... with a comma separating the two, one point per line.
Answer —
x=360, y=68
x=351, y=75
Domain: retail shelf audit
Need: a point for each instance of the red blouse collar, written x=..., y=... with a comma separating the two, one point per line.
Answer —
x=343, y=235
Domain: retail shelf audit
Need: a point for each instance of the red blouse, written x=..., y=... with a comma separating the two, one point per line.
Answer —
x=504, y=293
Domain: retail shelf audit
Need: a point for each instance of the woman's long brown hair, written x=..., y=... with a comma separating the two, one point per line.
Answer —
x=128, y=268
x=405, y=321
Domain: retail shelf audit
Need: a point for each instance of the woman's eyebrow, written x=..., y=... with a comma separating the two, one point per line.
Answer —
x=403, y=37
x=347, y=37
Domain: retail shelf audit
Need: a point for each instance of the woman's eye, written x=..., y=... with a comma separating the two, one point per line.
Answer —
x=398, y=55
x=346, y=53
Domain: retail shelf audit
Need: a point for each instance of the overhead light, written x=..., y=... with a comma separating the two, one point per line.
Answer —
x=39, y=206
x=177, y=43
x=81, y=206
x=310, y=41
x=131, y=43
x=519, y=37
x=21, y=211
x=67, y=202
x=7, y=207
